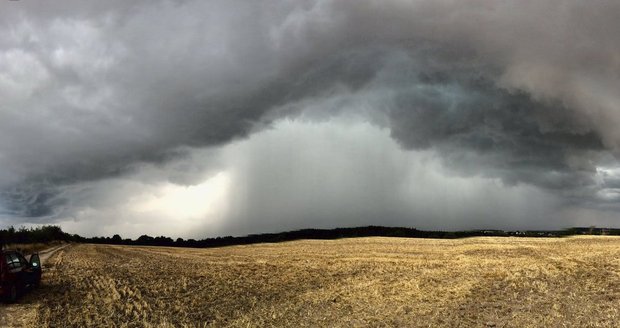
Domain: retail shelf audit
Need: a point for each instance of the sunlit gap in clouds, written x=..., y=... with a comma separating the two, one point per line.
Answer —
x=186, y=203
x=161, y=208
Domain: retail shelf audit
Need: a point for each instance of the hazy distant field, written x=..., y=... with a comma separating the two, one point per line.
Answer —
x=501, y=282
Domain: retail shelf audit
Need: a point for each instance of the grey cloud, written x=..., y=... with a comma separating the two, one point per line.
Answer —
x=525, y=92
x=489, y=131
x=353, y=175
x=350, y=173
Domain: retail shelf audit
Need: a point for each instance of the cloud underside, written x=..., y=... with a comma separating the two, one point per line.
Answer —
x=517, y=95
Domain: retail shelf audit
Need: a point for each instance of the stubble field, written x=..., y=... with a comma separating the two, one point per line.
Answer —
x=475, y=282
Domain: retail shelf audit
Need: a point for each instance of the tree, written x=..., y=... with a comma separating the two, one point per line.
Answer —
x=117, y=239
x=145, y=240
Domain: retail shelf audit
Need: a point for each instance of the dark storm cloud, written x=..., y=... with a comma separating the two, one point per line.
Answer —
x=524, y=91
x=489, y=131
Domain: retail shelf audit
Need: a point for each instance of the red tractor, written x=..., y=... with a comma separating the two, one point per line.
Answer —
x=17, y=274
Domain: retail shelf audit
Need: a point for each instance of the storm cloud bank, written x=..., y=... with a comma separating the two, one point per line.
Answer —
x=521, y=95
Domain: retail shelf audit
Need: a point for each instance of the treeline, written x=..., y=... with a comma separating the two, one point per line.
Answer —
x=46, y=234
x=43, y=234
x=369, y=231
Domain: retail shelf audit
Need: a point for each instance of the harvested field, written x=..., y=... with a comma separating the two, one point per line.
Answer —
x=477, y=282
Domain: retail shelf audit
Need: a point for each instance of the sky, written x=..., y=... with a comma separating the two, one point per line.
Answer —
x=193, y=119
